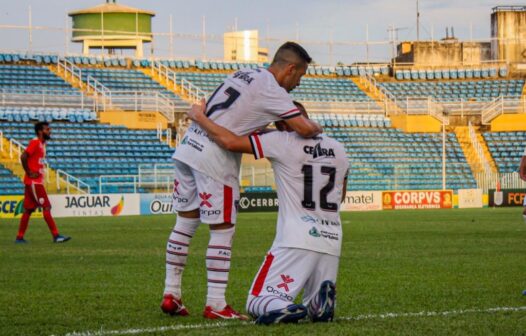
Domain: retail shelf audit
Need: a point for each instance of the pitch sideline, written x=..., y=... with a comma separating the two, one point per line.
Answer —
x=348, y=318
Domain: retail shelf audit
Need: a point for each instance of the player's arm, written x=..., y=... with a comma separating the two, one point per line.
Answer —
x=304, y=127
x=522, y=168
x=223, y=137
x=344, y=191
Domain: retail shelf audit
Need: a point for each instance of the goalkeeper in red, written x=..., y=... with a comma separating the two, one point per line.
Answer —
x=311, y=182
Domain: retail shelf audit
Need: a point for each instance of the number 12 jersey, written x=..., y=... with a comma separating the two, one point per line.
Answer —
x=310, y=176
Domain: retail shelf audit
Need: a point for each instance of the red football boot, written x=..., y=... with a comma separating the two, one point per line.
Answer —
x=227, y=314
x=173, y=306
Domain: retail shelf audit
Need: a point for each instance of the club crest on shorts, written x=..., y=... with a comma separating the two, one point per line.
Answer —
x=286, y=280
x=205, y=197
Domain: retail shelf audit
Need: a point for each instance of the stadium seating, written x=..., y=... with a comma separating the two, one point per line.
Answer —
x=311, y=89
x=385, y=159
x=25, y=114
x=506, y=148
x=37, y=58
x=126, y=80
x=9, y=183
x=461, y=73
x=481, y=90
x=33, y=80
x=88, y=150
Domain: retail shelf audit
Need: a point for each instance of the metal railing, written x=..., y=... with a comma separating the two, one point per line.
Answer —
x=118, y=181
x=165, y=73
x=424, y=106
x=138, y=101
x=71, y=71
x=71, y=182
x=490, y=180
x=192, y=91
x=478, y=148
x=369, y=107
x=502, y=105
x=45, y=99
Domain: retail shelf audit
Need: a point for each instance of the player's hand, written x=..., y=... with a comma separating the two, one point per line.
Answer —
x=33, y=175
x=197, y=111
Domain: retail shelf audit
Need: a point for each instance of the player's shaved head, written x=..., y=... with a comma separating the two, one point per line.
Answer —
x=291, y=53
x=289, y=65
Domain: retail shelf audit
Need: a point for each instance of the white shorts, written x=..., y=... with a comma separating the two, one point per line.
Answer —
x=194, y=190
x=286, y=271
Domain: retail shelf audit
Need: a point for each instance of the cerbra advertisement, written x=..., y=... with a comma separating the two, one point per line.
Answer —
x=94, y=205
x=417, y=199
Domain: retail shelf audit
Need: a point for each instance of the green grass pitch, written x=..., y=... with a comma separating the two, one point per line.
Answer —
x=451, y=266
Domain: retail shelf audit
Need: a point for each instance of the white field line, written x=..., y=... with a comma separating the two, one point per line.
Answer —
x=203, y=326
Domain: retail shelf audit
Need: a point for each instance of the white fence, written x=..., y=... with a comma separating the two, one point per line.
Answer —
x=45, y=99
x=486, y=181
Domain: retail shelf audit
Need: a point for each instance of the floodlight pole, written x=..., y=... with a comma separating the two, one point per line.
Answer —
x=443, y=154
x=417, y=21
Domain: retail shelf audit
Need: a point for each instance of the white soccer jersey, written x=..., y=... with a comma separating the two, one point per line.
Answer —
x=309, y=176
x=248, y=100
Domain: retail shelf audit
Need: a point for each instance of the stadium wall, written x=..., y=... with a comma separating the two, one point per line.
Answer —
x=416, y=124
x=509, y=123
x=134, y=120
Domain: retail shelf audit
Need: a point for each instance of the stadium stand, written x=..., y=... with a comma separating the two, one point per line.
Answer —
x=311, y=89
x=25, y=114
x=32, y=79
x=461, y=73
x=385, y=158
x=9, y=183
x=89, y=150
x=481, y=90
x=126, y=80
x=506, y=148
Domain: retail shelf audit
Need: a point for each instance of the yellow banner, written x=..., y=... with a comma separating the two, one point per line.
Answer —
x=13, y=207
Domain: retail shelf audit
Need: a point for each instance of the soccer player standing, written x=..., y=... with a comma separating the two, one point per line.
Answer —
x=311, y=182
x=206, y=186
x=35, y=195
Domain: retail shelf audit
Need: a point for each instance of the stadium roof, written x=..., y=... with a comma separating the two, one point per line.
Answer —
x=110, y=8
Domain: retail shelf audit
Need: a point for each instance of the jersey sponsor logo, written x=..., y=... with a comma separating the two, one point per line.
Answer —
x=323, y=234
x=314, y=232
x=210, y=212
x=205, y=197
x=315, y=220
x=286, y=281
x=282, y=295
x=318, y=151
x=244, y=76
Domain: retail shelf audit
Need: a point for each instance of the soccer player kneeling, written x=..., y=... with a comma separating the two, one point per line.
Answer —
x=311, y=182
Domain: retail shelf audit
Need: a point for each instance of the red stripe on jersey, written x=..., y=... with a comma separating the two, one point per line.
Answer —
x=289, y=112
x=262, y=275
x=228, y=202
x=258, y=144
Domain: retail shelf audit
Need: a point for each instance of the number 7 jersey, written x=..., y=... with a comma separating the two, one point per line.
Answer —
x=248, y=100
x=309, y=176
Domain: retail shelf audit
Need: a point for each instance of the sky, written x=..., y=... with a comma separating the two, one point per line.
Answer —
x=329, y=29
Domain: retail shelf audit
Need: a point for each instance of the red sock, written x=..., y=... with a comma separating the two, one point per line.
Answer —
x=24, y=221
x=50, y=223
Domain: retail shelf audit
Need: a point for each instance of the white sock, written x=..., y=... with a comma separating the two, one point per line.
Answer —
x=177, y=252
x=260, y=305
x=218, y=257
